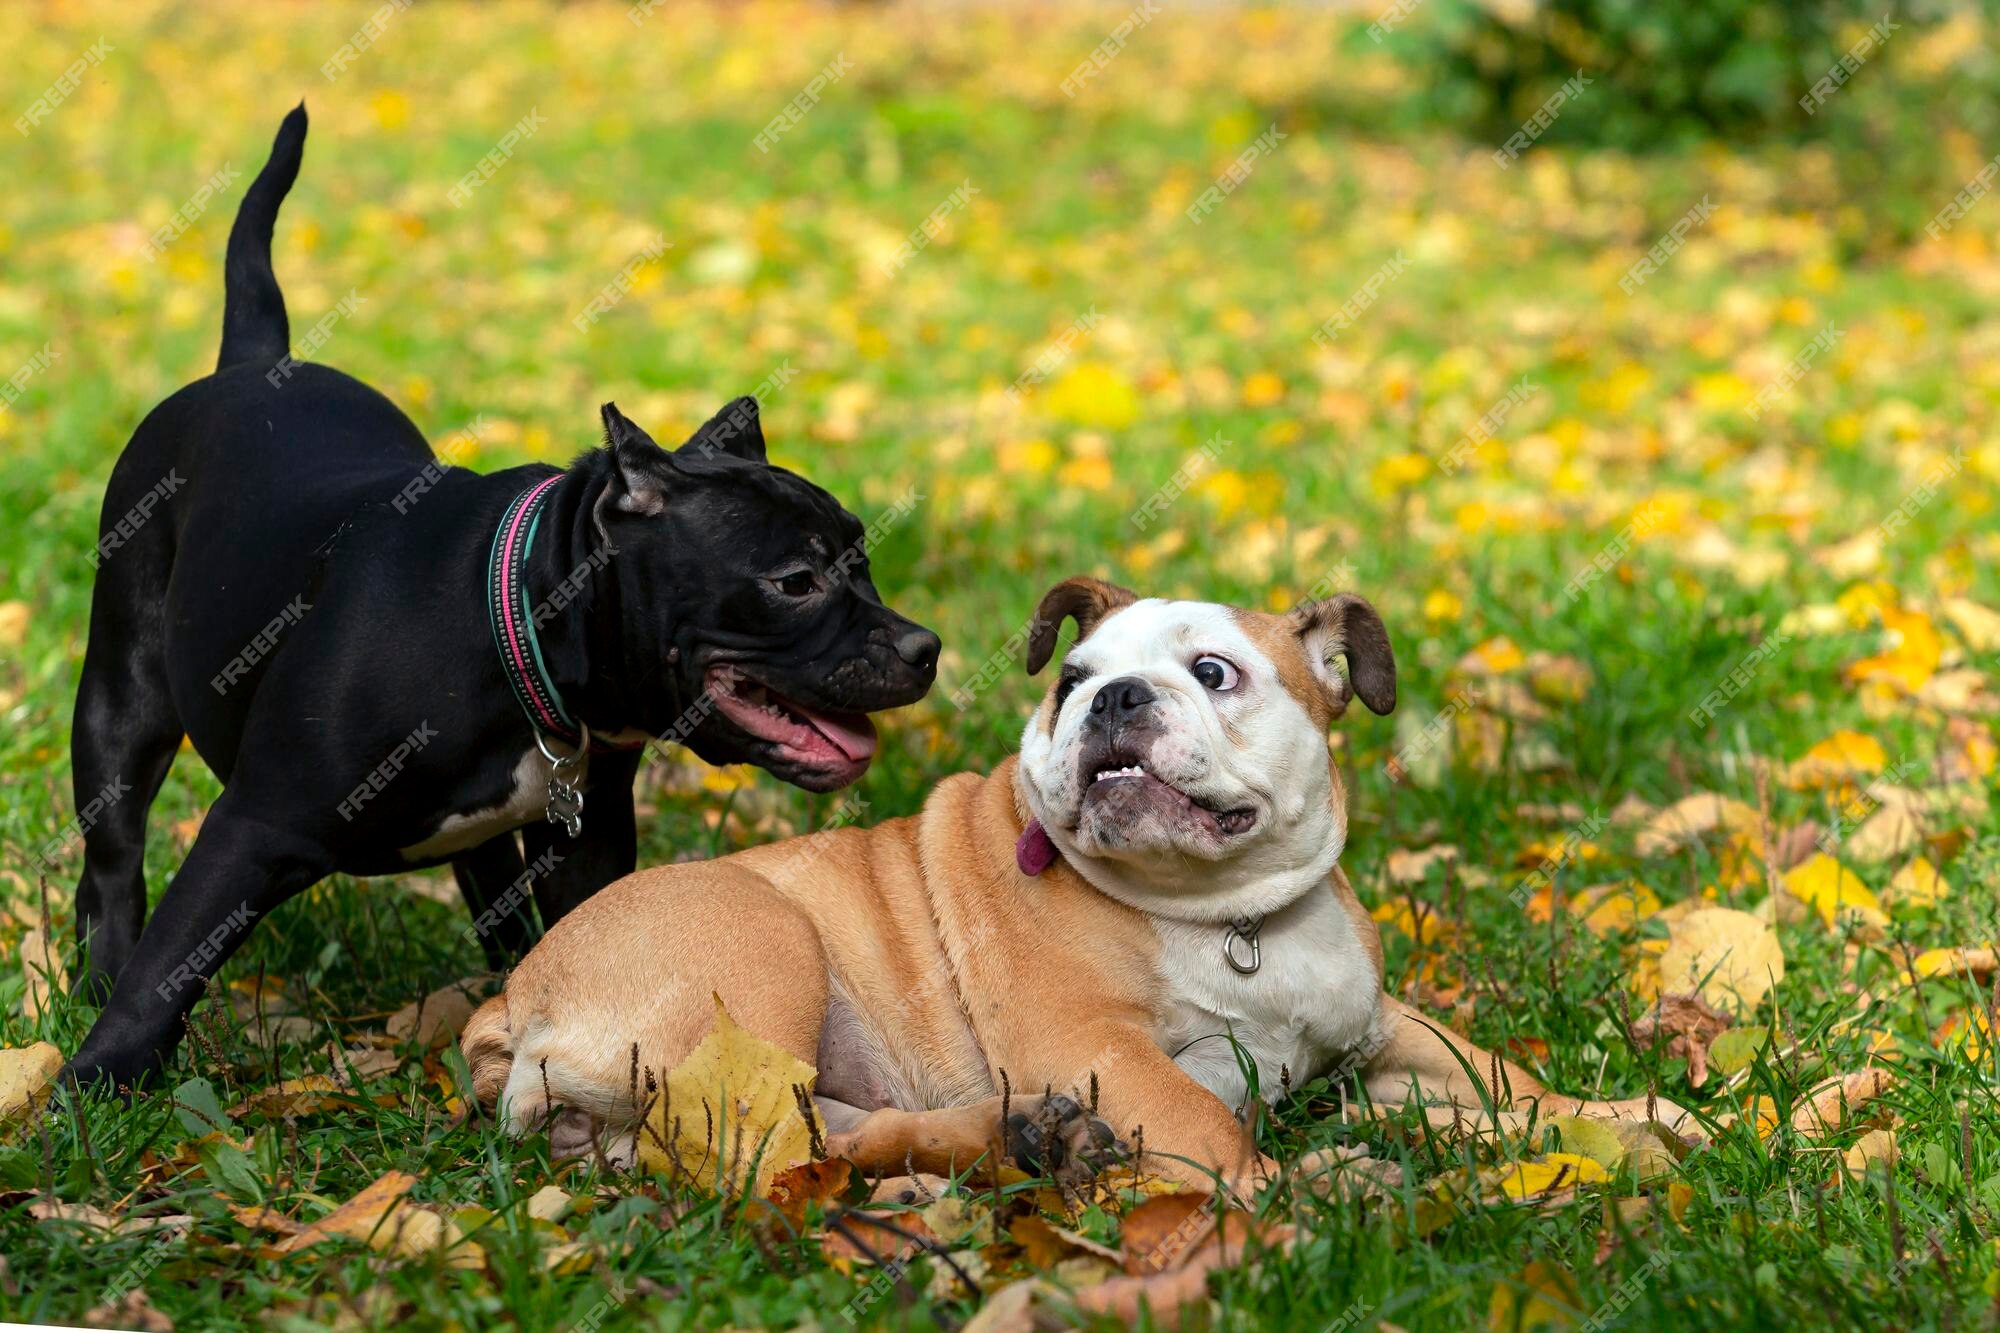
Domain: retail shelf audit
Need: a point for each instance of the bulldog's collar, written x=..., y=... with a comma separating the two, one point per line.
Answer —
x=1035, y=851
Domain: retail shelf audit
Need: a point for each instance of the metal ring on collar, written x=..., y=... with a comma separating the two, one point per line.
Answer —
x=565, y=762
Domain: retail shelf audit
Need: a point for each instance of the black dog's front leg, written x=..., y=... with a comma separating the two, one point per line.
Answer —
x=241, y=866
x=567, y=870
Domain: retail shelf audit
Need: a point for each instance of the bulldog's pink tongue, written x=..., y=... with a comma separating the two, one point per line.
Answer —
x=852, y=733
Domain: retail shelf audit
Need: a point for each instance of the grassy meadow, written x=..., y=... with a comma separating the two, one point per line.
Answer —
x=1691, y=579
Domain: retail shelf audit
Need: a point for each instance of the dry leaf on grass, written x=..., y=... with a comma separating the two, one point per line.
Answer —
x=25, y=1075
x=1690, y=818
x=1688, y=1024
x=436, y=1019
x=1845, y=756
x=1833, y=1103
x=1917, y=884
x=1958, y=960
x=1877, y=1145
x=1550, y=1172
x=295, y=1096
x=1414, y=867
x=729, y=1105
x=550, y=1203
x=1730, y=958
x=1544, y=1294
x=1836, y=894
x=1977, y=625
x=381, y=1218
x=795, y=1188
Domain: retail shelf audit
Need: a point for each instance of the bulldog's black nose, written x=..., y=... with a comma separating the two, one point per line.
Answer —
x=1121, y=698
x=918, y=647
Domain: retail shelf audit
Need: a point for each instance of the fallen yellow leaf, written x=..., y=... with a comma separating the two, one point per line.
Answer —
x=1841, y=757
x=25, y=1075
x=1833, y=890
x=1730, y=958
x=728, y=1105
x=1917, y=884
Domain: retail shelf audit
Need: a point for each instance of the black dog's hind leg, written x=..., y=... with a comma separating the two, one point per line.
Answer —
x=244, y=862
x=567, y=870
x=493, y=880
x=122, y=743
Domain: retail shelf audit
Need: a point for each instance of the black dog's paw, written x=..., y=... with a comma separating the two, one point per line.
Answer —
x=1056, y=1137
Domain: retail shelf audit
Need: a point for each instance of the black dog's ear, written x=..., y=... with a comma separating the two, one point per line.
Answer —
x=640, y=486
x=734, y=430
x=1345, y=625
x=1083, y=599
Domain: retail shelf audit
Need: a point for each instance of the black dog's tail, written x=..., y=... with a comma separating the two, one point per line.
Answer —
x=253, y=309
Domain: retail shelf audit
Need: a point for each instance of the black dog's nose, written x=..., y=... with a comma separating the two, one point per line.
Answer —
x=1121, y=698
x=919, y=648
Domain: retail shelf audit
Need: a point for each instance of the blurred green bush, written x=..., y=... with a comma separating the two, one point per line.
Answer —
x=1903, y=97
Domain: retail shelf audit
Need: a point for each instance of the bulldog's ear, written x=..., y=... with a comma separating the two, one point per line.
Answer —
x=1346, y=626
x=643, y=467
x=1085, y=600
x=734, y=430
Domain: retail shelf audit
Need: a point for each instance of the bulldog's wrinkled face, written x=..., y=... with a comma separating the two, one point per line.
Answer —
x=1181, y=754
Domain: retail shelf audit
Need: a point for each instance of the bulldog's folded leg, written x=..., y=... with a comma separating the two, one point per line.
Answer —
x=1424, y=1061
x=1042, y=1134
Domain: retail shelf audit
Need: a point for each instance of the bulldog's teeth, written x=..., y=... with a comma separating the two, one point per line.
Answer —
x=1132, y=771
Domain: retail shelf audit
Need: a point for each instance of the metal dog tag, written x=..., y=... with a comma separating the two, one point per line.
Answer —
x=565, y=804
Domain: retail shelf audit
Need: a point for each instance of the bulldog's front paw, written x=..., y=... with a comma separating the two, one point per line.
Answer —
x=1056, y=1137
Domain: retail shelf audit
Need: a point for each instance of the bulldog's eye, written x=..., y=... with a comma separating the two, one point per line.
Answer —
x=1065, y=685
x=1215, y=674
x=798, y=583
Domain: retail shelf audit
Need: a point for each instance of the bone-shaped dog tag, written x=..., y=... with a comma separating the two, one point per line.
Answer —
x=565, y=806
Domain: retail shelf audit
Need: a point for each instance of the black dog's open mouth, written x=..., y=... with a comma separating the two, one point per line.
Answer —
x=820, y=740
x=1132, y=780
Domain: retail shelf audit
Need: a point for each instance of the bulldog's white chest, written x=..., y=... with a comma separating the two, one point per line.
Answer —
x=1313, y=999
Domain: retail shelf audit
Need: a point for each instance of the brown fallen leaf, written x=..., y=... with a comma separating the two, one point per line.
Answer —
x=1834, y=1102
x=381, y=1218
x=294, y=1096
x=1690, y=818
x=1167, y=1296
x=1688, y=1024
x=435, y=1019
x=874, y=1237
x=796, y=1188
x=1163, y=1230
x=262, y=1217
x=1413, y=867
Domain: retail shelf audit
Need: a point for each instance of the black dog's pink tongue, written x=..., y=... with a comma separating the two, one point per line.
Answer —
x=851, y=733
x=1036, y=851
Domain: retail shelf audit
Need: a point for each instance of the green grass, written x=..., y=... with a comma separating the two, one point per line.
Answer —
x=900, y=381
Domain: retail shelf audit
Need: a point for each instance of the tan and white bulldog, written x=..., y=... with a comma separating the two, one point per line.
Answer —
x=1156, y=874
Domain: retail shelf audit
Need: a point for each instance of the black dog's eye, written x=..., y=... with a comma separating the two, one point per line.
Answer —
x=798, y=583
x=1068, y=682
x=1215, y=674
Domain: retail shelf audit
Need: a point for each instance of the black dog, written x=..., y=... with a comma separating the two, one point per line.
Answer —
x=392, y=663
